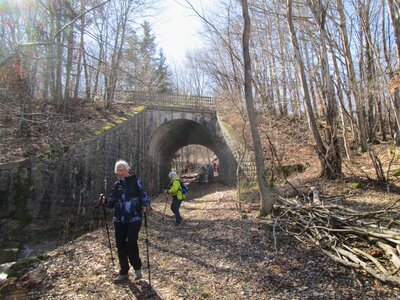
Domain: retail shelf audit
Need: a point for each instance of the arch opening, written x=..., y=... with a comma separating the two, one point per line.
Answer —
x=173, y=135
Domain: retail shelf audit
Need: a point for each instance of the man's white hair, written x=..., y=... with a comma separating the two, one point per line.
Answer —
x=172, y=175
x=121, y=163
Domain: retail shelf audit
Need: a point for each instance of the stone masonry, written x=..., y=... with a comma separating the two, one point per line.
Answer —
x=72, y=179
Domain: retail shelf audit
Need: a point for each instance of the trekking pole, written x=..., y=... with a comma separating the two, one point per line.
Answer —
x=147, y=247
x=165, y=207
x=105, y=222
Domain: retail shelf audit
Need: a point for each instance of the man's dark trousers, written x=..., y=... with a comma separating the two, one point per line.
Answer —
x=126, y=236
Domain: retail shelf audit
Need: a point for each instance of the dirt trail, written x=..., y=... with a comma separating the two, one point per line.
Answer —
x=214, y=254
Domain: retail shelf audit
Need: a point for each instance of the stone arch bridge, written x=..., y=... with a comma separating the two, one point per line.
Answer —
x=44, y=185
x=168, y=123
x=174, y=128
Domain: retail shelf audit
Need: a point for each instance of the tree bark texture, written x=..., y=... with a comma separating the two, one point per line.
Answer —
x=265, y=192
x=331, y=160
x=354, y=87
x=303, y=81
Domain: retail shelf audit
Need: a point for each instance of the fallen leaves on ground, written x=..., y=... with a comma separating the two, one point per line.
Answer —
x=214, y=254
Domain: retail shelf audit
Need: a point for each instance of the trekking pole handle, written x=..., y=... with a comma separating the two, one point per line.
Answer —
x=101, y=201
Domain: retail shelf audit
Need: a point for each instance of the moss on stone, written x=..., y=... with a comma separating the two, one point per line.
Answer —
x=138, y=108
x=21, y=267
x=120, y=121
x=107, y=127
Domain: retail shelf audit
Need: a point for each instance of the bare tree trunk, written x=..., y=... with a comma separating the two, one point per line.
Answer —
x=394, y=10
x=273, y=79
x=312, y=83
x=284, y=79
x=319, y=95
x=23, y=95
x=68, y=65
x=295, y=98
x=117, y=55
x=78, y=73
x=109, y=82
x=79, y=65
x=395, y=19
x=390, y=101
x=329, y=156
x=58, y=99
x=355, y=90
x=342, y=108
x=265, y=192
x=231, y=52
x=369, y=70
x=302, y=75
x=97, y=74
x=87, y=77
x=332, y=162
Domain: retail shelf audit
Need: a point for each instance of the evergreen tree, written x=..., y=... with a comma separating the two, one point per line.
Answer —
x=133, y=61
x=150, y=72
x=147, y=64
x=163, y=75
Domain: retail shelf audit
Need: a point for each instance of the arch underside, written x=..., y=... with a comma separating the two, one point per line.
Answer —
x=173, y=135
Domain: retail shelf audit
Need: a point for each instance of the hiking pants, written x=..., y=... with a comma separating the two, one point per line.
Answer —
x=126, y=236
x=210, y=178
x=202, y=178
x=176, y=204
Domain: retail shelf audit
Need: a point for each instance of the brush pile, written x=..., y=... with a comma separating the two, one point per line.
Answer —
x=364, y=240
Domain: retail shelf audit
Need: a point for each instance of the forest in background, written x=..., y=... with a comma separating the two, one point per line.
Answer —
x=322, y=73
x=333, y=62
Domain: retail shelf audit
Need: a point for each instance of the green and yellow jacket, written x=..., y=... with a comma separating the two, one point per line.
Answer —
x=175, y=189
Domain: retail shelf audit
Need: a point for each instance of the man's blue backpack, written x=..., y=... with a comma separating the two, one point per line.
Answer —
x=184, y=187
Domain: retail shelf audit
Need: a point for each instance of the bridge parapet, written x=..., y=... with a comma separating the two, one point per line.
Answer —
x=152, y=98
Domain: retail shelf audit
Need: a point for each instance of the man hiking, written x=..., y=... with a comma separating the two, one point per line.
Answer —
x=129, y=201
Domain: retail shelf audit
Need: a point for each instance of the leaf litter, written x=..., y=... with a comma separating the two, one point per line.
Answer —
x=217, y=253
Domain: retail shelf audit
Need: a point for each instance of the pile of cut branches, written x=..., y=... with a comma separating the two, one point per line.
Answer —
x=364, y=240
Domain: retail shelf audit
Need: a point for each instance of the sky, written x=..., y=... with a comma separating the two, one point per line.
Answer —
x=176, y=29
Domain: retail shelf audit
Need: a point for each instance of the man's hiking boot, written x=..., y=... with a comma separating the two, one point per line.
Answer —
x=138, y=274
x=120, y=278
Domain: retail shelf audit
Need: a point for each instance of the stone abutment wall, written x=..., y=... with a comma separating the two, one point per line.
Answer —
x=65, y=185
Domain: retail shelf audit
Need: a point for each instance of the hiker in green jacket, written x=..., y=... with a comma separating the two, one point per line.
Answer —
x=175, y=190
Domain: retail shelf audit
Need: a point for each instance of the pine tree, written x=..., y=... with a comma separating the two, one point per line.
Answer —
x=163, y=75
x=147, y=64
